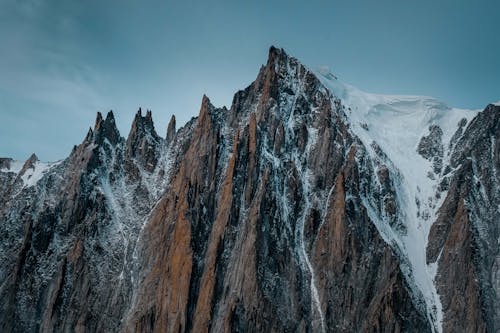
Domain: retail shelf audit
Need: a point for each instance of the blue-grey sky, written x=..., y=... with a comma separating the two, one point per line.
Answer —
x=61, y=61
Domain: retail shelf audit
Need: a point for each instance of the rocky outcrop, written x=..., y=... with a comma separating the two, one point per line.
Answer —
x=29, y=164
x=364, y=289
x=65, y=251
x=106, y=129
x=274, y=215
x=431, y=148
x=248, y=253
x=171, y=130
x=143, y=143
x=464, y=239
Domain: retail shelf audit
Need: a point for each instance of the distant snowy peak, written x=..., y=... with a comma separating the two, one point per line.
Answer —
x=394, y=117
x=29, y=171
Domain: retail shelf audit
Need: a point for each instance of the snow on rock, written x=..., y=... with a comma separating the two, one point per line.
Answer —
x=398, y=124
x=33, y=175
x=29, y=171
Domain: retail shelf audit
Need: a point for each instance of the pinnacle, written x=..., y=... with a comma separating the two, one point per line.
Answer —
x=171, y=130
x=205, y=100
x=33, y=158
x=110, y=117
x=29, y=164
x=104, y=129
x=276, y=55
x=142, y=125
x=205, y=108
x=98, y=121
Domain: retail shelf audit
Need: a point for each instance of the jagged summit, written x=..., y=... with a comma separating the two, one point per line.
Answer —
x=171, y=129
x=205, y=103
x=143, y=142
x=105, y=129
x=29, y=164
x=276, y=55
x=143, y=125
x=98, y=120
x=110, y=119
x=309, y=206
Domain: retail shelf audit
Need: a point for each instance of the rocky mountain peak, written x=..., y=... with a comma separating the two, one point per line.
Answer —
x=143, y=122
x=142, y=129
x=98, y=121
x=171, y=130
x=276, y=56
x=206, y=107
x=29, y=164
x=303, y=208
x=105, y=129
x=143, y=142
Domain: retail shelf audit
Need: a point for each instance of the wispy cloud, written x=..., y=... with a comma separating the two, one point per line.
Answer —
x=39, y=68
x=42, y=78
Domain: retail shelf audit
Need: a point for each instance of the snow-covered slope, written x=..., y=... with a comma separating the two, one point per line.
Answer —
x=397, y=125
x=34, y=174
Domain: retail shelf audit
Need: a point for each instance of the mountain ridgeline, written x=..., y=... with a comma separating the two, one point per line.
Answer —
x=307, y=206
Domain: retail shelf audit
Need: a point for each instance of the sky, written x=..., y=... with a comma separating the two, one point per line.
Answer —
x=62, y=61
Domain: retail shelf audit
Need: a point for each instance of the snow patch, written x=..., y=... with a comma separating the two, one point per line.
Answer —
x=33, y=175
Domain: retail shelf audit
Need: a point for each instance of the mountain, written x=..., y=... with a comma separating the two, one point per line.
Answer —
x=307, y=206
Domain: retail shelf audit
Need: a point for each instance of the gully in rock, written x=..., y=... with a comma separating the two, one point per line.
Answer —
x=306, y=206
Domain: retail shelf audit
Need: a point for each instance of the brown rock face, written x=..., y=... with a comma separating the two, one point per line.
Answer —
x=265, y=217
x=171, y=130
x=464, y=239
x=65, y=254
x=143, y=142
x=362, y=286
x=256, y=238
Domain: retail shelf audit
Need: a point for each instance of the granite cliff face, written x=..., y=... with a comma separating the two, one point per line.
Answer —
x=305, y=207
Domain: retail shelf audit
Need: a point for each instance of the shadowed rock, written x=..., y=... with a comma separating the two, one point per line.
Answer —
x=270, y=216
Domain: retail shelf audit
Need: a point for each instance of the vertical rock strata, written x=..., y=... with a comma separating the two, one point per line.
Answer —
x=256, y=218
